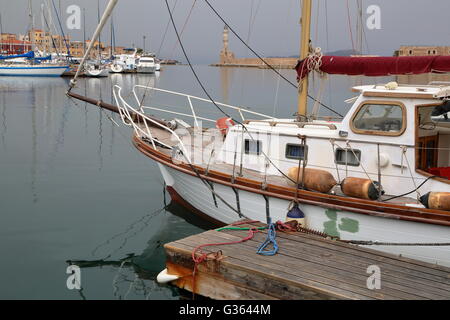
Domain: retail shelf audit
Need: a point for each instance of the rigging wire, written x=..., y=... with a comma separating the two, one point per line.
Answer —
x=62, y=30
x=165, y=31
x=160, y=47
x=350, y=26
x=264, y=61
x=209, y=96
x=53, y=40
x=184, y=25
x=414, y=190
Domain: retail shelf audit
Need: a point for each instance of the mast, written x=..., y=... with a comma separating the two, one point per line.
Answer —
x=1, y=34
x=50, y=22
x=99, y=28
x=84, y=31
x=45, y=30
x=305, y=22
x=111, y=44
x=100, y=34
x=32, y=25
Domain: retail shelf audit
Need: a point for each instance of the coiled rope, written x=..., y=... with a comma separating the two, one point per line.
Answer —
x=270, y=240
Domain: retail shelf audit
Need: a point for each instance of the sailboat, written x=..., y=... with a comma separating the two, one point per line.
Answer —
x=380, y=175
x=96, y=69
x=28, y=64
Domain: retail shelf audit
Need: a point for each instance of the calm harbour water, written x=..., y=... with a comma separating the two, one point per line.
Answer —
x=72, y=186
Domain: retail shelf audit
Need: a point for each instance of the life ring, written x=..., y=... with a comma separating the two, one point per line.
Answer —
x=223, y=124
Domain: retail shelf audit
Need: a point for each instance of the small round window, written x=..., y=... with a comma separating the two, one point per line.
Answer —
x=379, y=119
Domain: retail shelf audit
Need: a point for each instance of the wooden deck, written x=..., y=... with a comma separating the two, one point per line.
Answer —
x=305, y=267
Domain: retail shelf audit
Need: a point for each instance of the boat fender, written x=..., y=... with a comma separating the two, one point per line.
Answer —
x=223, y=124
x=315, y=179
x=436, y=200
x=361, y=188
x=384, y=160
x=164, y=277
x=296, y=214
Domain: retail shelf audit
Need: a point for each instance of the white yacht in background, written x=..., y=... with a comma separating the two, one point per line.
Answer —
x=125, y=62
x=146, y=64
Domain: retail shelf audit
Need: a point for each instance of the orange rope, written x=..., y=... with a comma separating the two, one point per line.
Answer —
x=203, y=256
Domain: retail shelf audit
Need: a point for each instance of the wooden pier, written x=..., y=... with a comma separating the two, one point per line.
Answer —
x=305, y=267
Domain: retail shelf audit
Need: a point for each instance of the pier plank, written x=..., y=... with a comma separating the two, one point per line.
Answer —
x=320, y=272
x=348, y=262
x=306, y=267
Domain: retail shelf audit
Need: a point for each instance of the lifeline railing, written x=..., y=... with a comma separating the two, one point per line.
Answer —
x=126, y=113
x=190, y=98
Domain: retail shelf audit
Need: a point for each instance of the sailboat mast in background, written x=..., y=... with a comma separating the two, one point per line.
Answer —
x=32, y=25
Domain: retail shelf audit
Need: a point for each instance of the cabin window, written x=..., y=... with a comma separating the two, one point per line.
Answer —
x=253, y=146
x=295, y=151
x=348, y=157
x=379, y=118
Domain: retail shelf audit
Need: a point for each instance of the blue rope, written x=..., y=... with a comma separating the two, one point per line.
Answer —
x=271, y=235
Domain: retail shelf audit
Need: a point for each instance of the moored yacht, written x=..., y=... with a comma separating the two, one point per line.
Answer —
x=125, y=62
x=146, y=64
x=380, y=175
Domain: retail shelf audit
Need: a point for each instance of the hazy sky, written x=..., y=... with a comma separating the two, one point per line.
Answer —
x=272, y=26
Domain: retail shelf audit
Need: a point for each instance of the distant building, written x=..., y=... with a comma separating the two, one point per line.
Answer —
x=9, y=44
x=227, y=57
x=77, y=48
x=46, y=42
x=423, y=51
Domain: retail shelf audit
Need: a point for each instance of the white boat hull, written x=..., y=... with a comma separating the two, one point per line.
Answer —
x=117, y=68
x=97, y=73
x=33, y=71
x=146, y=69
x=346, y=225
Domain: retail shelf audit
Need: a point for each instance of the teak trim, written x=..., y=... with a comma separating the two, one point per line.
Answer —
x=379, y=133
x=409, y=95
x=329, y=201
x=416, y=141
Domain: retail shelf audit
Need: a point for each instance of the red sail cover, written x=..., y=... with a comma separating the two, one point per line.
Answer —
x=378, y=66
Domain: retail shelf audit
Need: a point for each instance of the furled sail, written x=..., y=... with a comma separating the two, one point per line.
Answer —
x=29, y=55
x=373, y=66
x=49, y=57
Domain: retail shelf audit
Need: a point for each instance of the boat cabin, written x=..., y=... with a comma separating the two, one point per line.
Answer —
x=396, y=135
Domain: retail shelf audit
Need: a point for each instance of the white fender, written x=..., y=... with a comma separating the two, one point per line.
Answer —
x=164, y=277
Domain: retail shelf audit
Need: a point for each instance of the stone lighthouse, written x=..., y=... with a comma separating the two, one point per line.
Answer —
x=226, y=56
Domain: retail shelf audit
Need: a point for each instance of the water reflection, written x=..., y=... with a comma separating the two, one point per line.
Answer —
x=55, y=203
x=4, y=128
x=225, y=83
x=33, y=145
x=136, y=273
